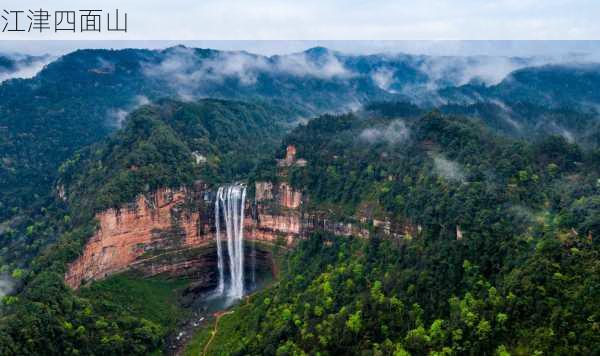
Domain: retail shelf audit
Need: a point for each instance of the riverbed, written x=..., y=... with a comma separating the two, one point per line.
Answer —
x=203, y=309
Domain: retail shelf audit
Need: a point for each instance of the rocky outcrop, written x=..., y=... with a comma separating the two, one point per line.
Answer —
x=290, y=159
x=281, y=228
x=280, y=213
x=263, y=191
x=282, y=195
x=289, y=198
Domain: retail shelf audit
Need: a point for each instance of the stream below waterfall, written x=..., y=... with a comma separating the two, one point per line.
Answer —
x=235, y=276
x=203, y=309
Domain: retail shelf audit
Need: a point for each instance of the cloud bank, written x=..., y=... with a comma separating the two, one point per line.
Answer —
x=23, y=67
x=187, y=71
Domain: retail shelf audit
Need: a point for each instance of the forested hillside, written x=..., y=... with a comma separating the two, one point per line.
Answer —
x=81, y=97
x=505, y=259
x=490, y=184
x=170, y=144
x=557, y=85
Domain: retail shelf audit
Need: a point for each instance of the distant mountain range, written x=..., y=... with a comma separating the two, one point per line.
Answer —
x=553, y=85
x=83, y=96
x=21, y=66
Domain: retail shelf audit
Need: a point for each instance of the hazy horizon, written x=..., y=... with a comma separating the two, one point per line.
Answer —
x=504, y=48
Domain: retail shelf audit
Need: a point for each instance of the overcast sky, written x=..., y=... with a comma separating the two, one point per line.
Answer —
x=589, y=50
x=339, y=19
x=218, y=20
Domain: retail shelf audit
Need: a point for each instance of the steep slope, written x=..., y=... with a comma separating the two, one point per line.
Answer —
x=559, y=85
x=167, y=145
x=503, y=257
x=81, y=97
x=65, y=107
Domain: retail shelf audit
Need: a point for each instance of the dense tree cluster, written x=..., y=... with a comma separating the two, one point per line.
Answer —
x=497, y=195
x=522, y=278
x=371, y=297
x=160, y=146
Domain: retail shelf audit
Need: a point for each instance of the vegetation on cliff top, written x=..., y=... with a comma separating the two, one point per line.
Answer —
x=172, y=144
x=160, y=146
x=169, y=144
x=521, y=278
x=499, y=191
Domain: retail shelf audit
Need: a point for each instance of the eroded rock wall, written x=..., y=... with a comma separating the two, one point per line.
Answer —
x=161, y=223
x=169, y=232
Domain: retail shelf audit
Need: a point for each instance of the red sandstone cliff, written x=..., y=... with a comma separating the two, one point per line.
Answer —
x=282, y=195
x=163, y=235
x=131, y=233
x=172, y=231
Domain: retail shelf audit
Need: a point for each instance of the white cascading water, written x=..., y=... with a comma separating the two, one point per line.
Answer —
x=253, y=265
x=231, y=200
x=221, y=285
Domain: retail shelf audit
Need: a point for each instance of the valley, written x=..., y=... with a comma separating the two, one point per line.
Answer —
x=194, y=201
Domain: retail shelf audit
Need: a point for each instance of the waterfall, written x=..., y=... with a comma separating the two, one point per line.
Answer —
x=221, y=285
x=253, y=264
x=231, y=200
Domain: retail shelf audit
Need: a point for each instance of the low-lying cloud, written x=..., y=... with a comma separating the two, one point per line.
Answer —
x=117, y=116
x=300, y=65
x=559, y=130
x=187, y=72
x=507, y=114
x=384, y=78
x=432, y=73
x=23, y=67
x=393, y=133
x=446, y=71
x=448, y=169
x=456, y=71
x=6, y=285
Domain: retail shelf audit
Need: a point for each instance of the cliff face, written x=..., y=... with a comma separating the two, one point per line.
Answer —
x=280, y=215
x=281, y=194
x=277, y=215
x=172, y=231
x=156, y=225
